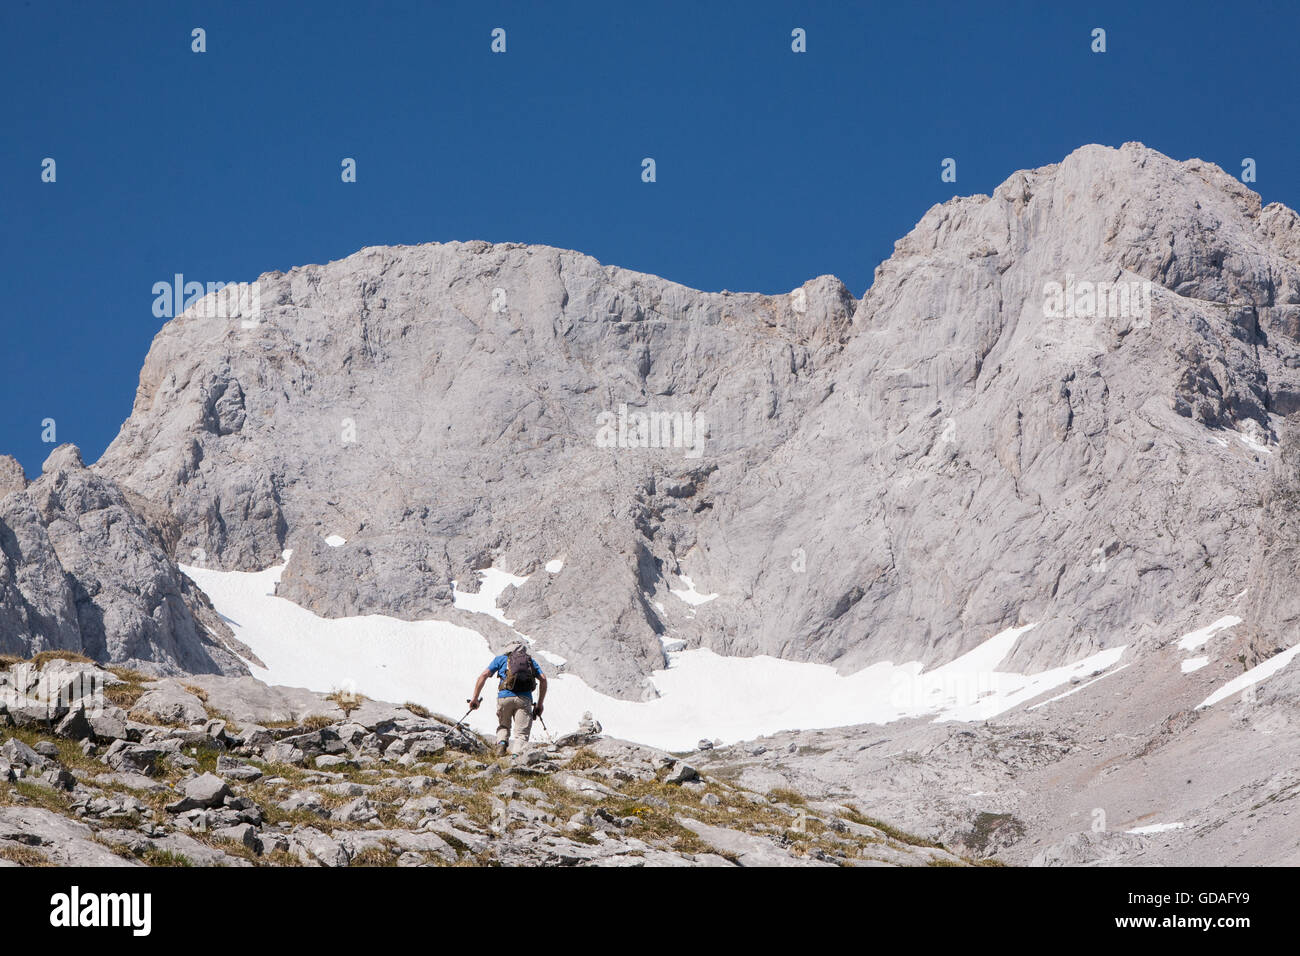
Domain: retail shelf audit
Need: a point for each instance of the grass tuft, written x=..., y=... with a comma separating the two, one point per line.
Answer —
x=586, y=759
x=855, y=815
x=24, y=856
x=44, y=657
x=785, y=795
x=347, y=700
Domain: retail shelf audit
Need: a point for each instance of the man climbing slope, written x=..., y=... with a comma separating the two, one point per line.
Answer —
x=518, y=674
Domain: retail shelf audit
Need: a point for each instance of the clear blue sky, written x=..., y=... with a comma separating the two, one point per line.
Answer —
x=772, y=166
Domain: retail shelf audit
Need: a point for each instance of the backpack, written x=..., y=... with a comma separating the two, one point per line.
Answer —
x=519, y=672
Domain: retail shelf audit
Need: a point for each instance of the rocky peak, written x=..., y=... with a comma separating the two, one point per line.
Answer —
x=65, y=457
x=1053, y=406
x=12, y=475
x=83, y=570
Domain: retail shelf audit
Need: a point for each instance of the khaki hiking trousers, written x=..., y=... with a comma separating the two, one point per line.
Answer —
x=514, y=714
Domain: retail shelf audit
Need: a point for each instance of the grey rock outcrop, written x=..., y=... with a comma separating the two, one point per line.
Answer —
x=85, y=566
x=57, y=839
x=201, y=793
x=584, y=804
x=170, y=704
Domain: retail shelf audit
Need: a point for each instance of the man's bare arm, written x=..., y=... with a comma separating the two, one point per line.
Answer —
x=541, y=695
x=475, y=700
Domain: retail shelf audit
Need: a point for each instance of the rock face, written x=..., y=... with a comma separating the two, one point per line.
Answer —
x=85, y=566
x=437, y=406
x=1054, y=405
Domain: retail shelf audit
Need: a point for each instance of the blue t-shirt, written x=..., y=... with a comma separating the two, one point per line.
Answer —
x=498, y=669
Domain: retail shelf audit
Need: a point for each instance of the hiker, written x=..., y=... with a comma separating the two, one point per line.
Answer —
x=519, y=675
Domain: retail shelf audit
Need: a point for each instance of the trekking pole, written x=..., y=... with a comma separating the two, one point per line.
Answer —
x=467, y=713
x=549, y=737
x=460, y=725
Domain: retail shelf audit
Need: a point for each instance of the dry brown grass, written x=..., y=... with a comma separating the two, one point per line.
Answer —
x=347, y=700
x=44, y=657
x=785, y=795
x=24, y=856
x=70, y=754
x=154, y=857
x=585, y=759
x=34, y=794
x=130, y=676
x=902, y=836
x=124, y=695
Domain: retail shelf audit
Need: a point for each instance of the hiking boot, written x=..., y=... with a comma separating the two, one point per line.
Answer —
x=502, y=748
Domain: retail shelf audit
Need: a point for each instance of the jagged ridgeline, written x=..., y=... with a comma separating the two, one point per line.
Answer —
x=1054, y=405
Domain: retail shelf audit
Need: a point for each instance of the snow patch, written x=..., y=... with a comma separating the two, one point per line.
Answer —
x=335, y=541
x=1194, y=664
x=434, y=663
x=1253, y=676
x=492, y=584
x=1075, y=690
x=1190, y=642
x=1252, y=442
x=555, y=565
x=1156, y=828
x=689, y=594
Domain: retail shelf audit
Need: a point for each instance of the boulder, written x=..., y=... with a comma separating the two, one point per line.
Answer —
x=681, y=772
x=126, y=757
x=63, y=841
x=314, y=848
x=204, y=792
x=749, y=850
x=109, y=725
x=16, y=753
x=75, y=725
x=169, y=703
x=242, y=833
x=356, y=811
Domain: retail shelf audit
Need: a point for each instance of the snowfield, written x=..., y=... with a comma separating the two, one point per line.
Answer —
x=1251, y=677
x=689, y=594
x=434, y=663
x=1190, y=642
x=1156, y=828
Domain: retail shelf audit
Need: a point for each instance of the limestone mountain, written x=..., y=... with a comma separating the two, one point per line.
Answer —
x=1055, y=405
